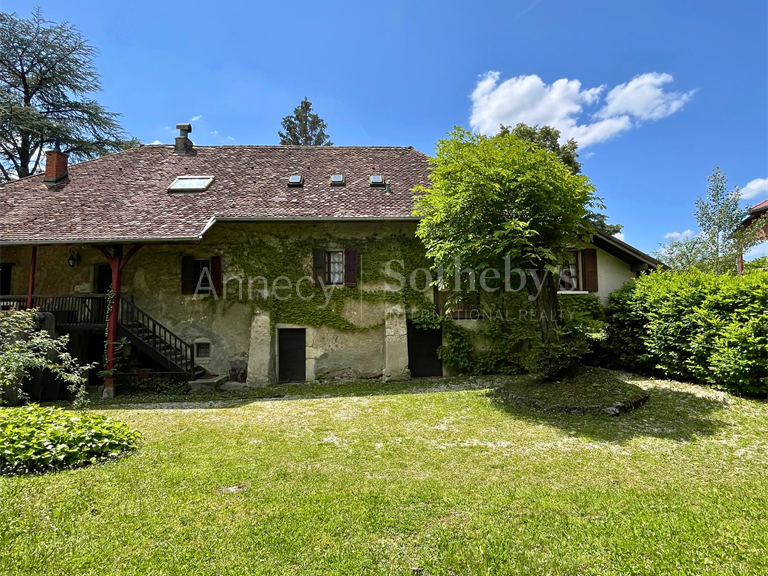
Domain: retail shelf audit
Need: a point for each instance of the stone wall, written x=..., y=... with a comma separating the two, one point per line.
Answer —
x=241, y=334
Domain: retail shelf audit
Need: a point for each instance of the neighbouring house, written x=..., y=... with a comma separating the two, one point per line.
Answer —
x=259, y=263
x=754, y=213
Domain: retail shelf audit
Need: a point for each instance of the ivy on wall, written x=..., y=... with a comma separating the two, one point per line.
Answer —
x=259, y=261
x=512, y=343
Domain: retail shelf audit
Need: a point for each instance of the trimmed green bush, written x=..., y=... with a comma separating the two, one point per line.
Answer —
x=36, y=439
x=694, y=326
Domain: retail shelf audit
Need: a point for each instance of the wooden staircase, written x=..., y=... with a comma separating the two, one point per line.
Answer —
x=155, y=340
x=89, y=312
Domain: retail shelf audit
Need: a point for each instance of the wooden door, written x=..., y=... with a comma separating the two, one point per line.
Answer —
x=292, y=354
x=422, y=351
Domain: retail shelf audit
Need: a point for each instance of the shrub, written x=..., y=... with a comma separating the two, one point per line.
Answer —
x=694, y=326
x=38, y=439
x=514, y=339
x=25, y=347
x=157, y=384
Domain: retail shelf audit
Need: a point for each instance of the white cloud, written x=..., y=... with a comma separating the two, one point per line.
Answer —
x=678, y=235
x=561, y=104
x=157, y=142
x=215, y=133
x=196, y=118
x=619, y=235
x=754, y=188
x=644, y=98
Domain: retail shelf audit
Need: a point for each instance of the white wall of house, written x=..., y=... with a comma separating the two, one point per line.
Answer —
x=612, y=274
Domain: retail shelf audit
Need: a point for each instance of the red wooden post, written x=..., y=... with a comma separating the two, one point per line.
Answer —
x=116, y=262
x=32, y=267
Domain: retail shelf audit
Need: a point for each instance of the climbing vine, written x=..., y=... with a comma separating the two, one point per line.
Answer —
x=255, y=263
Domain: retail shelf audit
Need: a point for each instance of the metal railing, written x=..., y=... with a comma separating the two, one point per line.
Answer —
x=67, y=309
x=155, y=335
x=77, y=310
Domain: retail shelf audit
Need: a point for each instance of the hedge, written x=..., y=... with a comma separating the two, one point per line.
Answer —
x=694, y=326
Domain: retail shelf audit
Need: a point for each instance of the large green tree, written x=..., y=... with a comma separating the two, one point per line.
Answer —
x=47, y=75
x=721, y=239
x=304, y=128
x=497, y=198
x=548, y=138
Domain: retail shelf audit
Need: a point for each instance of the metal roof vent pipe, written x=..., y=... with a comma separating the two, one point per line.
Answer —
x=55, y=166
x=183, y=143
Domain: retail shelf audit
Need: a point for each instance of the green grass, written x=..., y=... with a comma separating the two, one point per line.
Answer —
x=588, y=387
x=379, y=479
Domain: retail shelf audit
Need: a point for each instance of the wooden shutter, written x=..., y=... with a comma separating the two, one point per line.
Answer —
x=187, y=275
x=350, y=267
x=318, y=265
x=216, y=274
x=589, y=270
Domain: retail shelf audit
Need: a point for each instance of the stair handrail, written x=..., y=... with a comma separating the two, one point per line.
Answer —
x=185, y=352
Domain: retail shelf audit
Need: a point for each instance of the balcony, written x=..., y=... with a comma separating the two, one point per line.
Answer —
x=71, y=311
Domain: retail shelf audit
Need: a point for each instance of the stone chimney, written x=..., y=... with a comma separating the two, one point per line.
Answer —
x=183, y=143
x=55, y=166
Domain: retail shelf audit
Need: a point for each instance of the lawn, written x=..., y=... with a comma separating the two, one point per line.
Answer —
x=432, y=477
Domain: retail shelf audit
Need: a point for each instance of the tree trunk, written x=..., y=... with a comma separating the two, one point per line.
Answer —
x=546, y=308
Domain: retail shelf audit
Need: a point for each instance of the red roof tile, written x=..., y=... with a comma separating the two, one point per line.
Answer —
x=124, y=196
x=759, y=207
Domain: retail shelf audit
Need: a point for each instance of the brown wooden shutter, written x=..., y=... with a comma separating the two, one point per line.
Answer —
x=350, y=267
x=216, y=274
x=187, y=275
x=318, y=265
x=589, y=270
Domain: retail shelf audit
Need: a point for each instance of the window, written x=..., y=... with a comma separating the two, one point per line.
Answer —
x=201, y=274
x=296, y=180
x=337, y=180
x=203, y=271
x=202, y=351
x=191, y=184
x=337, y=267
x=466, y=306
x=377, y=180
x=569, y=275
x=334, y=267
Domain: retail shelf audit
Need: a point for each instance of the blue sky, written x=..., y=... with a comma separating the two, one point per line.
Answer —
x=657, y=92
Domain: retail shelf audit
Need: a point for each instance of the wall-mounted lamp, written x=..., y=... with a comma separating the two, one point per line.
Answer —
x=74, y=257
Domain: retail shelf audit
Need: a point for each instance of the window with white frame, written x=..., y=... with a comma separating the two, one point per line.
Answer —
x=334, y=267
x=569, y=275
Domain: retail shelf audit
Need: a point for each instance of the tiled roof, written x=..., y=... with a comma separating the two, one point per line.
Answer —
x=124, y=196
x=762, y=206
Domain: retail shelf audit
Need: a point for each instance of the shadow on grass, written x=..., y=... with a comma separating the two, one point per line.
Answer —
x=669, y=414
x=289, y=392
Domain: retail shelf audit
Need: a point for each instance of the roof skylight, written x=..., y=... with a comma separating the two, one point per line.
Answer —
x=377, y=180
x=191, y=184
x=337, y=180
x=295, y=180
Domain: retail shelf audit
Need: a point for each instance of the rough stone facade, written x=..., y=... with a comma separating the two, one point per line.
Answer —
x=241, y=335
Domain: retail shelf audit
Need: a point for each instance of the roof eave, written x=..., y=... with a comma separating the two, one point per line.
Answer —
x=619, y=248
x=196, y=238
